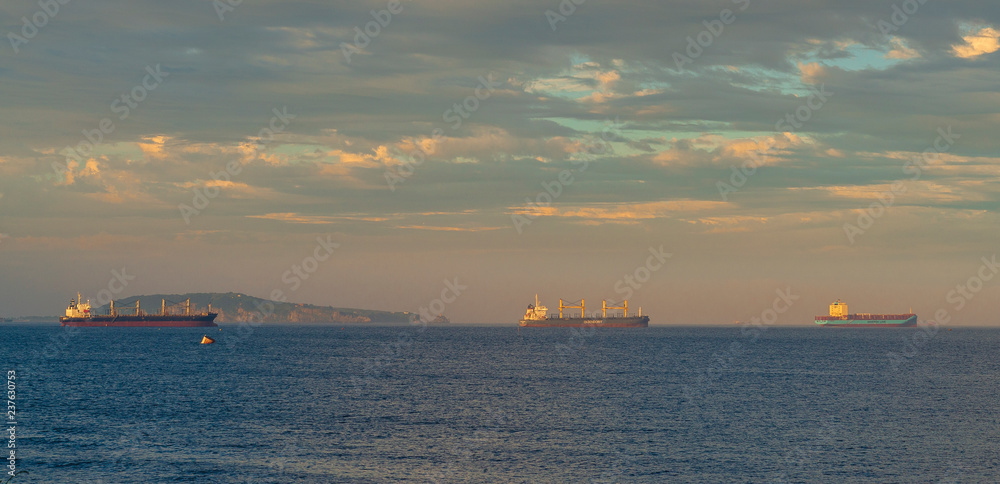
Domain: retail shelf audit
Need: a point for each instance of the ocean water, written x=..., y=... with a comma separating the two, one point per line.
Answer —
x=362, y=404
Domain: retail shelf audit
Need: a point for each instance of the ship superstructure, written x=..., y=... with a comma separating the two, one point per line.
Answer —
x=80, y=313
x=840, y=317
x=537, y=316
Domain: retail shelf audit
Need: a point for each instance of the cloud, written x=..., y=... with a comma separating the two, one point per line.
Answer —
x=292, y=217
x=625, y=213
x=450, y=229
x=984, y=40
x=714, y=149
x=487, y=143
x=730, y=224
x=153, y=146
x=920, y=192
x=315, y=219
x=812, y=73
x=899, y=50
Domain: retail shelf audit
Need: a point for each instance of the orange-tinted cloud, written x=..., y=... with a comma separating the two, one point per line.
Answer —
x=900, y=50
x=620, y=212
x=292, y=217
x=812, y=73
x=982, y=41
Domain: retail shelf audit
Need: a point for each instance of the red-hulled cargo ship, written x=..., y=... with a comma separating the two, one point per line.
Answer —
x=80, y=314
x=536, y=316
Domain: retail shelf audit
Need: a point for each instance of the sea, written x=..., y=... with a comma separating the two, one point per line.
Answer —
x=491, y=404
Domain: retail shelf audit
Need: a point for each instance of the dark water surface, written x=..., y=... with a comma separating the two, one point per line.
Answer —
x=489, y=404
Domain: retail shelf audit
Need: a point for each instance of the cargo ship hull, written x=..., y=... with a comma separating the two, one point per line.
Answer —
x=162, y=321
x=620, y=322
x=901, y=321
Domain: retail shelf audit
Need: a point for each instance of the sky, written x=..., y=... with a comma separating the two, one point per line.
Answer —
x=698, y=157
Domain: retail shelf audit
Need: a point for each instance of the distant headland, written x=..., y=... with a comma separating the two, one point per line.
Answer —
x=236, y=307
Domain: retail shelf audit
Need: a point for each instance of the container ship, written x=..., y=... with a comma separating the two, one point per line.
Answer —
x=79, y=313
x=840, y=318
x=536, y=317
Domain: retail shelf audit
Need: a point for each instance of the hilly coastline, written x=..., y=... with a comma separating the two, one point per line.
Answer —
x=236, y=307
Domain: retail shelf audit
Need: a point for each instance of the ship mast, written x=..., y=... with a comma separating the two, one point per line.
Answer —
x=566, y=306
x=624, y=307
x=163, y=306
x=187, y=309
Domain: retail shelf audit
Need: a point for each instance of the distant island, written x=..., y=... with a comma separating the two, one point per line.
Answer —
x=30, y=319
x=235, y=307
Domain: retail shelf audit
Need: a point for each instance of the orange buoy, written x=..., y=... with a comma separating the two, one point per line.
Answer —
x=205, y=340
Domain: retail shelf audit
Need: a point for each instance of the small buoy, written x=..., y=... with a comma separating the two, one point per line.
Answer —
x=205, y=340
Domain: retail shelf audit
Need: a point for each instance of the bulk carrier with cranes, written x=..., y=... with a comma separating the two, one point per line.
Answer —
x=80, y=313
x=537, y=316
